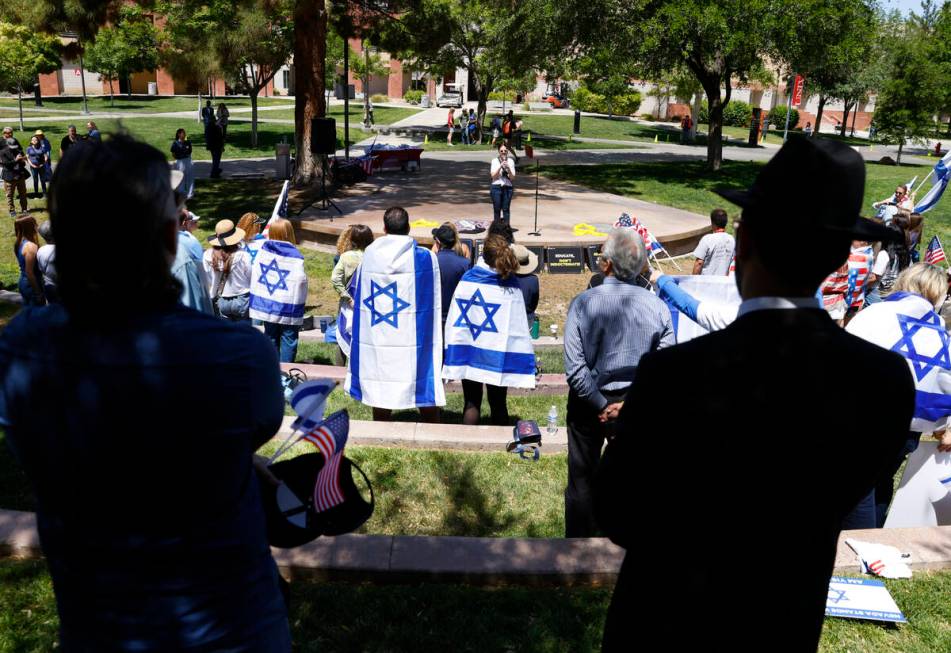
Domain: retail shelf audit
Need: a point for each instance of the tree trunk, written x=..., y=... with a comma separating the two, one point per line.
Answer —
x=20, y=106
x=310, y=45
x=366, y=84
x=482, y=94
x=716, y=104
x=695, y=115
x=822, y=104
x=112, y=97
x=845, y=119
x=254, y=116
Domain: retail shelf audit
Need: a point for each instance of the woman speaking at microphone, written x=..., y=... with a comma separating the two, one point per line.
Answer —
x=501, y=189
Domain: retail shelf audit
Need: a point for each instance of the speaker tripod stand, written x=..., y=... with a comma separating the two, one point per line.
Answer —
x=323, y=201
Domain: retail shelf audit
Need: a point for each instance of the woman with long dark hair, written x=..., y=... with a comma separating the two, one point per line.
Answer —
x=487, y=337
x=182, y=153
x=228, y=268
x=24, y=248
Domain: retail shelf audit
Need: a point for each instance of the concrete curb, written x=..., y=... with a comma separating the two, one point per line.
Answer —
x=490, y=561
x=547, y=385
x=418, y=435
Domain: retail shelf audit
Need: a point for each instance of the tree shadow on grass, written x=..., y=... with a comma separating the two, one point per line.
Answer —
x=431, y=617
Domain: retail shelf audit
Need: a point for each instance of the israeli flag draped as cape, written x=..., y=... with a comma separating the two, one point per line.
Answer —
x=907, y=324
x=395, y=335
x=278, y=284
x=487, y=337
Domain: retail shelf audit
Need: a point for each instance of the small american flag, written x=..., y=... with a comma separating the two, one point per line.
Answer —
x=327, y=491
x=935, y=252
x=329, y=437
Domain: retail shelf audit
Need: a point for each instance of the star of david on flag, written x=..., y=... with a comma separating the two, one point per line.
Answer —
x=390, y=317
x=488, y=312
x=928, y=327
x=280, y=284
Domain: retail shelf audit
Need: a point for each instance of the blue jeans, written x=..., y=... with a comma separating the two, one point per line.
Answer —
x=464, y=134
x=873, y=297
x=234, y=308
x=39, y=177
x=873, y=508
x=501, y=200
x=284, y=337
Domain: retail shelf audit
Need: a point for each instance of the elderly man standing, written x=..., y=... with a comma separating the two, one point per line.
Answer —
x=608, y=329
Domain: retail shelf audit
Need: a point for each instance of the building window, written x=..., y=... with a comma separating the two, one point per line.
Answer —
x=286, y=77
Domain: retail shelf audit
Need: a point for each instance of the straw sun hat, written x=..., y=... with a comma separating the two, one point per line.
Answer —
x=226, y=234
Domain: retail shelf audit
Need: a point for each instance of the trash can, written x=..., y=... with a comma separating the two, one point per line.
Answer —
x=577, y=125
x=153, y=88
x=282, y=161
x=424, y=102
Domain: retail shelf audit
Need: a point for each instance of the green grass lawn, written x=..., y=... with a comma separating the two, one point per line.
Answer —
x=688, y=185
x=139, y=103
x=160, y=132
x=381, y=115
x=520, y=407
x=431, y=617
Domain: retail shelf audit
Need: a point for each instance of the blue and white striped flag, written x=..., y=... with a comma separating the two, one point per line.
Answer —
x=278, y=284
x=280, y=207
x=308, y=401
x=487, y=338
x=941, y=174
x=395, y=334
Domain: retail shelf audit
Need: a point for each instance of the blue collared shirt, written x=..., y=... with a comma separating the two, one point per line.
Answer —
x=609, y=328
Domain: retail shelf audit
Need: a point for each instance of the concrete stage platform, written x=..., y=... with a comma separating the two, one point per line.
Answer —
x=453, y=190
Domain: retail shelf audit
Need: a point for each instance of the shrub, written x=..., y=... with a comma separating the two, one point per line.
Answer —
x=413, y=97
x=704, y=114
x=627, y=104
x=585, y=100
x=737, y=114
x=378, y=97
x=648, y=116
x=498, y=96
x=777, y=117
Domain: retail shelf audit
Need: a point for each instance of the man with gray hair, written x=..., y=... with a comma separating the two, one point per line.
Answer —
x=608, y=329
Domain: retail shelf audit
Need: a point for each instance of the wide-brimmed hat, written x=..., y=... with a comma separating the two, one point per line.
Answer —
x=527, y=259
x=445, y=235
x=39, y=132
x=814, y=185
x=226, y=234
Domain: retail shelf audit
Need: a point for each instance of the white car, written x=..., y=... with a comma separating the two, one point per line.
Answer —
x=449, y=99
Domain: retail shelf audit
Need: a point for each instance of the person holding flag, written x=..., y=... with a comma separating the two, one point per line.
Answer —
x=487, y=338
x=907, y=322
x=941, y=174
x=394, y=341
x=279, y=288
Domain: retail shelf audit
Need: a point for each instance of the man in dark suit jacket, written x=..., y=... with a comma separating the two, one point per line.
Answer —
x=731, y=528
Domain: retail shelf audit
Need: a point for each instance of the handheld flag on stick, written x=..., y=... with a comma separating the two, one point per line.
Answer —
x=280, y=207
x=941, y=174
x=935, y=252
x=329, y=438
x=308, y=401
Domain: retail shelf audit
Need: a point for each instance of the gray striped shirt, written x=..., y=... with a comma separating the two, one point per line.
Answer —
x=608, y=329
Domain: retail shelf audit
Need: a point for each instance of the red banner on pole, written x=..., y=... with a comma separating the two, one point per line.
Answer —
x=797, y=90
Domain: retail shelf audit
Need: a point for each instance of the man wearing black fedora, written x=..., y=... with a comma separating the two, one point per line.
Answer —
x=731, y=523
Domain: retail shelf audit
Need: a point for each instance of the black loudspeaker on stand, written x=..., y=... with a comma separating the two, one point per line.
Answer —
x=531, y=153
x=323, y=143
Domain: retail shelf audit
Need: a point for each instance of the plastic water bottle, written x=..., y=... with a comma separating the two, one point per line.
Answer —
x=552, y=420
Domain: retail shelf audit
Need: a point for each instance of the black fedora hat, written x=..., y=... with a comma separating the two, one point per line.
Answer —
x=289, y=508
x=820, y=168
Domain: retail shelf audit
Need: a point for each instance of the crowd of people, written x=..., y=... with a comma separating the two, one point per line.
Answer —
x=187, y=564
x=503, y=128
